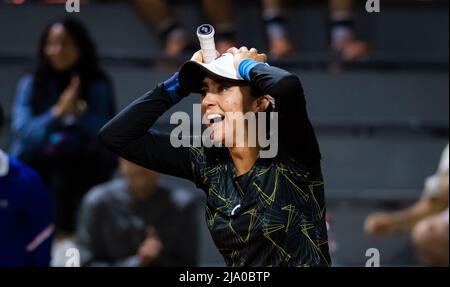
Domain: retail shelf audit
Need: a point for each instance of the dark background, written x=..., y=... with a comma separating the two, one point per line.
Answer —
x=381, y=124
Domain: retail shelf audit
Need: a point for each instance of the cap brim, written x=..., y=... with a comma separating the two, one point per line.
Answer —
x=193, y=73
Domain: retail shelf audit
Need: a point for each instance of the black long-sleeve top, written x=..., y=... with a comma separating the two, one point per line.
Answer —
x=274, y=215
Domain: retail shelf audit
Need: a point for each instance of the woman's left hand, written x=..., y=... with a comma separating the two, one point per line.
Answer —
x=244, y=53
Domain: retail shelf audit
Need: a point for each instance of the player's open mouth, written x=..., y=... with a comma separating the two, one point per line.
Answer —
x=214, y=118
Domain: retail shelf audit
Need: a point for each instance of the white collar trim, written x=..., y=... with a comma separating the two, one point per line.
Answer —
x=4, y=164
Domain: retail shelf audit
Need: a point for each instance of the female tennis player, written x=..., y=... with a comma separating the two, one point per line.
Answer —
x=260, y=211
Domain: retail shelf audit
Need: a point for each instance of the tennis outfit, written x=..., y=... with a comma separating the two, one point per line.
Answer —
x=274, y=215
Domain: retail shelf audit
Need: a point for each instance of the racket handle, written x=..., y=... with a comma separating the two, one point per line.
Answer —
x=205, y=34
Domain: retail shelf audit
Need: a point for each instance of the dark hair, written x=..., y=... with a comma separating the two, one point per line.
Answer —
x=87, y=66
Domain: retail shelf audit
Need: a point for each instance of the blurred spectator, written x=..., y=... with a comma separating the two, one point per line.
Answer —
x=344, y=41
x=134, y=221
x=56, y=115
x=427, y=220
x=25, y=215
x=222, y=15
x=158, y=14
x=275, y=22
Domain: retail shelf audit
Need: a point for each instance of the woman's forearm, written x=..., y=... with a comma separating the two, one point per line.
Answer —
x=135, y=120
x=129, y=136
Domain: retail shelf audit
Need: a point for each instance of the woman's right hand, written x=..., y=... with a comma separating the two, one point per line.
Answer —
x=68, y=98
x=198, y=56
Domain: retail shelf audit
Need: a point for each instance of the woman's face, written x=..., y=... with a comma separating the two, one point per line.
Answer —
x=219, y=98
x=60, y=48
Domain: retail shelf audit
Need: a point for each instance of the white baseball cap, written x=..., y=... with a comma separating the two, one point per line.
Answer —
x=192, y=73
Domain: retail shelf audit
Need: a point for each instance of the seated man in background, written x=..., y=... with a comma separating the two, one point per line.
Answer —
x=133, y=221
x=427, y=220
x=25, y=215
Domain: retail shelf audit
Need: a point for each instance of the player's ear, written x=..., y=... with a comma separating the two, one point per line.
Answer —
x=262, y=103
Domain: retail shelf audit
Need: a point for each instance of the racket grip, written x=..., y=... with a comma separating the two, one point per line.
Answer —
x=205, y=34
